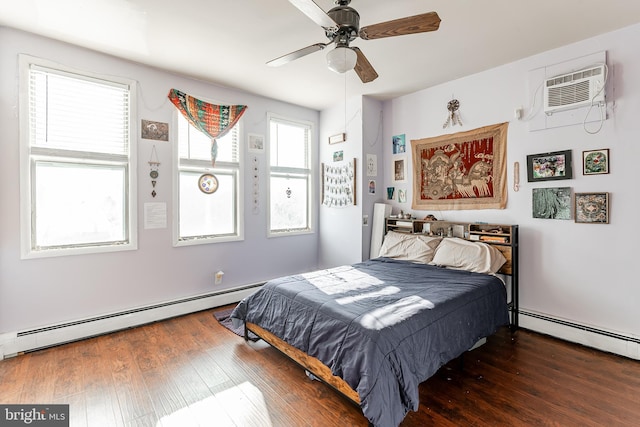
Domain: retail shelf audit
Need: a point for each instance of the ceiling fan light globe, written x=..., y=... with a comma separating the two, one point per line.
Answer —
x=341, y=59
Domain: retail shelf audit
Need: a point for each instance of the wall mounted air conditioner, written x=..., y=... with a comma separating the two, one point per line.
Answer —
x=575, y=90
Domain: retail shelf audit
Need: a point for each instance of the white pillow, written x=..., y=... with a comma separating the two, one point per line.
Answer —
x=465, y=255
x=409, y=247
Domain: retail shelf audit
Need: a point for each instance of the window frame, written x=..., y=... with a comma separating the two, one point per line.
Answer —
x=204, y=166
x=29, y=156
x=293, y=171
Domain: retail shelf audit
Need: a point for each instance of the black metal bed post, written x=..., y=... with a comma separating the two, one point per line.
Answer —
x=515, y=273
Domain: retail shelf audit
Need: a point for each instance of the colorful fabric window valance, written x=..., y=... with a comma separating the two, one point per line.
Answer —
x=213, y=120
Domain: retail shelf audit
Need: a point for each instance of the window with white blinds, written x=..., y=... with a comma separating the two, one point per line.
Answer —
x=289, y=176
x=201, y=217
x=77, y=169
x=73, y=112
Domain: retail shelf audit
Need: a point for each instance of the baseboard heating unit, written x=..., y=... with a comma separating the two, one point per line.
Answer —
x=589, y=336
x=12, y=344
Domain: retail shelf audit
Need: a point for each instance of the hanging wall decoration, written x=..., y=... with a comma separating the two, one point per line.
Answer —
x=157, y=131
x=549, y=166
x=551, y=203
x=399, y=144
x=208, y=183
x=595, y=162
x=453, y=118
x=339, y=184
x=464, y=170
x=592, y=208
x=212, y=120
x=154, y=165
x=256, y=186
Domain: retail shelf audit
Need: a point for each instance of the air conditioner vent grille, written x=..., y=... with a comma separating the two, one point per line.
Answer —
x=567, y=95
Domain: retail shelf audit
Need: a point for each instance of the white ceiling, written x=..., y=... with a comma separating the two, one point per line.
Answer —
x=228, y=42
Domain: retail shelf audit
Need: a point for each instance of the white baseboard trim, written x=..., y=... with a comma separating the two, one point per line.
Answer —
x=14, y=343
x=589, y=336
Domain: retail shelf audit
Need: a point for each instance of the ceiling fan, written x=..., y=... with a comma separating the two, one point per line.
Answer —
x=341, y=25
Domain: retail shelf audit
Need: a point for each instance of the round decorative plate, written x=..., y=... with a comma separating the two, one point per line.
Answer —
x=153, y=174
x=208, y=183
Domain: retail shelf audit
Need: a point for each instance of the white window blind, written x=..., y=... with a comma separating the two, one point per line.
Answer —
x=78, y=114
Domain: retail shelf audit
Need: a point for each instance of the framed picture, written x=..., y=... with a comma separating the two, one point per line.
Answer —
x=402, y=196
x=372, y=165
x=399, y=144
x=552, y=203
x=549, y=166
x=595, y=162
x=340, y=137
x=399, y=170
x=338, y=156
x=372, y=186
x=158, y=131
x=391, y=193
x=255, y=143
x=592, y=208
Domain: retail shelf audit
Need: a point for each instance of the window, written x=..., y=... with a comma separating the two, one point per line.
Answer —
x=77, y=167
x=201, y=217
x=289, y=177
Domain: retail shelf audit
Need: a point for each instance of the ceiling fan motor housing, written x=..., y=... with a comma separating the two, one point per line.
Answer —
x=348, y=21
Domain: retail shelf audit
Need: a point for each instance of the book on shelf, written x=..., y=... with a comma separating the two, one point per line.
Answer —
x=498, y=239
x=404, y=224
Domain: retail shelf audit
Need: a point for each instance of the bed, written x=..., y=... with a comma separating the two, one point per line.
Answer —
x=375, y=330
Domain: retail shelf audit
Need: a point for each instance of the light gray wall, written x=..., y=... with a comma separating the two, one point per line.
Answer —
x=340, y=228
x=344, y=239
x=584, y=273
x=372, y=143
x=40, y=292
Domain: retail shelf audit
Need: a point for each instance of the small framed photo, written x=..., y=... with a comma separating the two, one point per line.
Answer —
x=372, y=186
x=340, y=137
x=595, y=162
x=158, y=131
x=402, y=196
x=549, y=166
x=399, y=144
x=399, y=170
x=255, y=143
x=592, y=208
x=391, y=193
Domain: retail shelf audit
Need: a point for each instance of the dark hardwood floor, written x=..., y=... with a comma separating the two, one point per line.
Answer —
x=190, y=371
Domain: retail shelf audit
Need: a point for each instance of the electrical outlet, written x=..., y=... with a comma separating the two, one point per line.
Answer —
x=218, y=279
x=517, y=113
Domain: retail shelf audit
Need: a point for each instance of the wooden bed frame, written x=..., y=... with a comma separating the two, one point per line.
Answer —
x=309, y=363
x=318, y=369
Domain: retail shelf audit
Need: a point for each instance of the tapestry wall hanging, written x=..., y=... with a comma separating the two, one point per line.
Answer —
x=464, y=170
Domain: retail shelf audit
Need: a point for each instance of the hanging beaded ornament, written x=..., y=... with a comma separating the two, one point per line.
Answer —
x=453, y=118
x=154, y=165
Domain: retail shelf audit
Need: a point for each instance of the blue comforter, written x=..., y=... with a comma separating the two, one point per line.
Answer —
x=384, y=326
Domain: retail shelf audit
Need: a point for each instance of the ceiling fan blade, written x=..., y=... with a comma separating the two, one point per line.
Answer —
x=314, y=12
x=410, y=25
x=363, y=67
x=284, y=59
